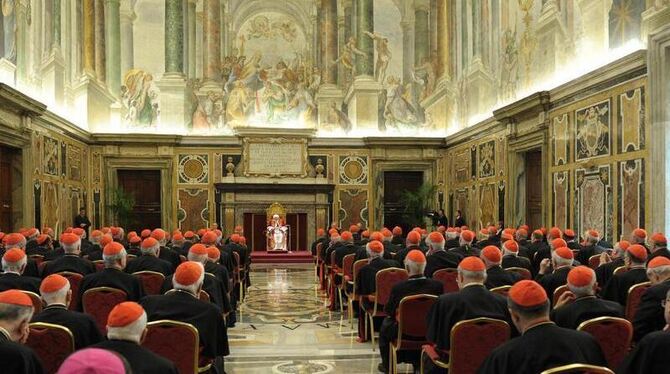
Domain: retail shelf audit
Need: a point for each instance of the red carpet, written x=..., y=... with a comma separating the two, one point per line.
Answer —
x=299, y=257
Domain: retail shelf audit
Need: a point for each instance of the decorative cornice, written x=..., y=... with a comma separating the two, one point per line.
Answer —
x=476, y=131
x=528, y=106
x=18, y=102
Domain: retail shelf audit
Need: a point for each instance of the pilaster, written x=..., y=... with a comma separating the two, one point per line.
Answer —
x=363, y=103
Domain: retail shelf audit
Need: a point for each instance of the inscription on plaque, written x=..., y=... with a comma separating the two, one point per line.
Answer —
x=275, y=158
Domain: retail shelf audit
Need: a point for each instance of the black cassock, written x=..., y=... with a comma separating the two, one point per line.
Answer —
x=650, y=356
x=149, y=263
x=441, y=260
x=543, y=347
x=366, y=282
x=617, y=287
x=401, y=254
x=71, y=263
x=212, y=286
x=511, y=261
x=113, y=278
x=649, y=316
x=18, y=359
x=498, y=277
x=605, y=272
x=583, y=309
x=141, y=360
x=342, y=251
x=83, y=327
x=466, y=251
x=473, y=301
x=12, y=281
x=184, y=307
x=170, y=256
x=550, y=282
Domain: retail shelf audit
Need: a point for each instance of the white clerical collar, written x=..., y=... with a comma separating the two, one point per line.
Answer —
x=5, y=333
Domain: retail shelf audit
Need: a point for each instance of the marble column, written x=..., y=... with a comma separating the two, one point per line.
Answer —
x=190, y=36
x=433, y=26
x=443, y=26
x=329, y=41
x=174, y=37
x=212, y=42
x=99, y=32
x=408, y=45
x=53, y=68
x=365, y=22
x=421, y=34
x=127, y=18
x=113, y=48
x=56, y=23
x=88, y=49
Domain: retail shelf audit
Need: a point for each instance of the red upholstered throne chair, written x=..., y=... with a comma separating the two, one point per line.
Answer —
x=52, y=344
x=351, y=288
x=614, y=336
x=471, y=342
x=633, y=299
x=176, y=341
x=99, y=301
x=412, y=326
x=75, y=281
x=523, y=272
x=448, y=278
x=384, y=282
x=152, y=281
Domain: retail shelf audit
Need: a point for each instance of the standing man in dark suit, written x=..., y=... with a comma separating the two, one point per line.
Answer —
x=581, y=303
x=649, y=316
x=415, y=264
x=82, y=221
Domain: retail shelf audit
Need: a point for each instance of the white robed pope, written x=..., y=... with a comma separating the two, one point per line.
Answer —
x=277, y=233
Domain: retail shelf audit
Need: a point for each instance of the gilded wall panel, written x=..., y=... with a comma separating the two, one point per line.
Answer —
x=74, y=163
x=487, y=161
x=631, y=192
x=353, y=170
x=560, y=139
x=192, y=208
x=50, y=161
x=561, y=188
x=631, y=118
x=353, y=207
x=593, y=194
x=461, y=166
x=51, y=206
x=193, y=168
x=593, y=131
x=488, y=214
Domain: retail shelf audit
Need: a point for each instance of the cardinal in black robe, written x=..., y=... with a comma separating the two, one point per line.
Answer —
x=114, y=278
x=83, y=327
x=69, y=262
x=16, y=358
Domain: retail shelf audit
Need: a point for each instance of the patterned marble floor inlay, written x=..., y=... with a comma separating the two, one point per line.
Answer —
x=285, y=327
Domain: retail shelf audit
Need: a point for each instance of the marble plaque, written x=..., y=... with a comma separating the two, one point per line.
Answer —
x=275, y=158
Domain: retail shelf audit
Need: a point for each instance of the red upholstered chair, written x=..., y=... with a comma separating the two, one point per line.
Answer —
x=99, y=265
x=594, y=261
x=52, y=344
x=182, y=258
x=204, y=296
x=334, y=270
x=448, y=278
x=99, y=301
x=75, y=281
x=633, y=299
x=36, y=299
x=558, y=292
x=614, y=336
x=347, y=273
x=502, y=290
x=238, y=275
x=351, y=284
x=176, y=341
x=41, y=266
x=523, y=272
x=152, y=281
x=412, y=326
x=320, y=266
x=384, y=282
x=471, y=342
x=578, y=368
x=620, y=270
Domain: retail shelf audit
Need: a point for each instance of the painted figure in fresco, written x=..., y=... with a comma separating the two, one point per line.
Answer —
x=9, y=30
x=510, y=65
x=338, y=118
x=238, y=104
x=348, y=54
x=398, y=110
x=140, y=98
x=383, y=54
x=208, y=111
x=425, y=72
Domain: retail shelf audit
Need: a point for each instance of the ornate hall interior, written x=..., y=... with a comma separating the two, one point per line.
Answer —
x=163, y=123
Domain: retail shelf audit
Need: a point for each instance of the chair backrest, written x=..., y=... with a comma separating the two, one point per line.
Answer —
x=41, y=266
x=332, y=262
x=558, y=292
x=614, y=336
x=237, y=260
x=37, y=301
x=99, y=265
x=39, y=259
x=176, y=341
x=448, y=278
x=182, y=258
x=525, y=273
x=152, y=281
x=620, y=270
x=594, y=261
x=473, y=340
x=384, y=282
x=633, y=299
x=75, y=281
x=412, y=321
x=204, y=296
x=51, y=343
x=502, y=290
x=348, y=266
x=358, y=265
x=99, y=301
x=578, y=368
x=319, y=256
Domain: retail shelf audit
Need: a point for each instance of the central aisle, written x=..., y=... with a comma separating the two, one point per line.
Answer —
x=285, y=327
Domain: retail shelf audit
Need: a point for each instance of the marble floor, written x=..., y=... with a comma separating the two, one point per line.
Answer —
x=284, y=326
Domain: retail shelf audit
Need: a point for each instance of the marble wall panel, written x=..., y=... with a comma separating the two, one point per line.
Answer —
x=631, y=193
x=51, y=161
x=560, y=139
x=353, y=170
x=488, y=213
x=593, y=194
x=561, y=189
x=353, y=207
x=631, y=120
x=593, y=131
x=193, y=168
x=486, y=156
x=192, y=208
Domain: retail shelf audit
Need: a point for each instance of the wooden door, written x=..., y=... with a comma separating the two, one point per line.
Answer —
x=6, y=155
x=145, y=186
x=395, y=182
x=533, y=164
